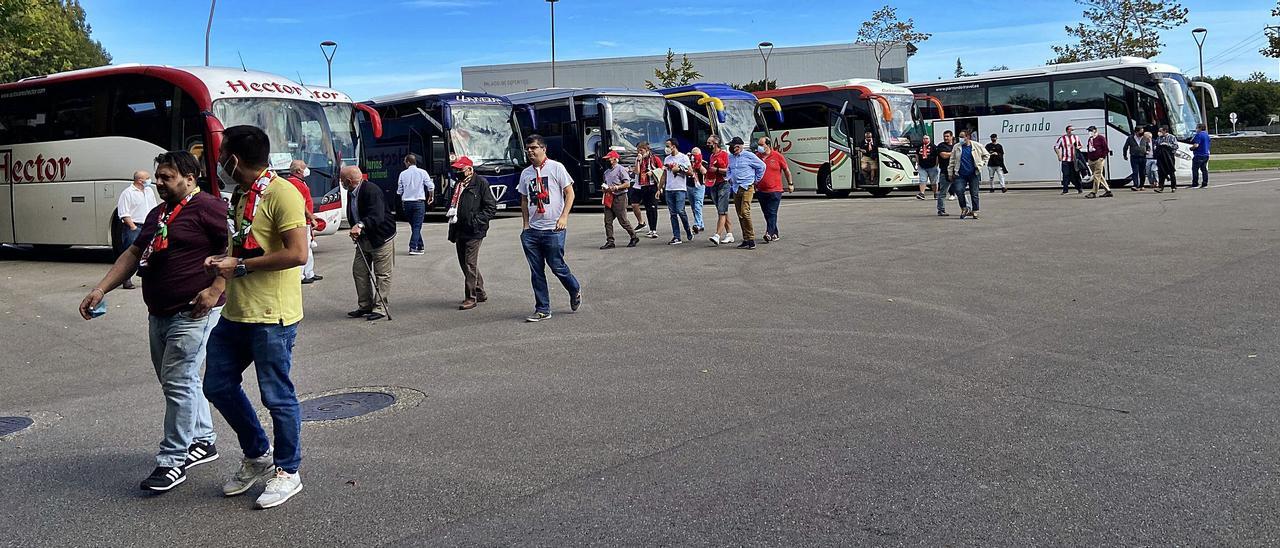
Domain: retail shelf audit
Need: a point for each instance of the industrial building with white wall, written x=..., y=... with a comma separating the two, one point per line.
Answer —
x=787, y=66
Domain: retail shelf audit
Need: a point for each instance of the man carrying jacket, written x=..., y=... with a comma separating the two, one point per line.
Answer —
x=968, y=157
x=372, y=229
x=471, y=207
x=1097, y=153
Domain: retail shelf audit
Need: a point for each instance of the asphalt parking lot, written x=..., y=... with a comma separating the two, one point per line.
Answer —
x=1061, y=372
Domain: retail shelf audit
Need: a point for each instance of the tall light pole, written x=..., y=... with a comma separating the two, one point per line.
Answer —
x=1198, y=34
x=765, y=49
x=207, y=28
x=553, y=41
x=328, y=56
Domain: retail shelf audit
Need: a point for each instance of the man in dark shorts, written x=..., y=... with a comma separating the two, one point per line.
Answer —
x=717, y=167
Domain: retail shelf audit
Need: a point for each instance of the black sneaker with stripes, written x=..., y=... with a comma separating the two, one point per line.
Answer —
x=164, y=478
x=200, y=453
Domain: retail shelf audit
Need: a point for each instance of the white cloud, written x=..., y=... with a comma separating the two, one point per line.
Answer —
x=391, y=79
x=720, y=30
x=606, y=44
x=442, y=3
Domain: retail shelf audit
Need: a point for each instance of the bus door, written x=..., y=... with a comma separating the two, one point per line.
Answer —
x=1120, y=125
x=867, y=167
x=842, y=160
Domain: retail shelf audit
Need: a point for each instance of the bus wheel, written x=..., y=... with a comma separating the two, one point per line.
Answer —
x=880, y=192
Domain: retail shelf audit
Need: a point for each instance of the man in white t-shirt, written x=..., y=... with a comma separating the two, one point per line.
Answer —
x=133, y=206
x=546, y=196
x=675, y=188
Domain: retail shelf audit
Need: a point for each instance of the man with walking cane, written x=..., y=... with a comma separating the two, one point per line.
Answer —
x=372, y=230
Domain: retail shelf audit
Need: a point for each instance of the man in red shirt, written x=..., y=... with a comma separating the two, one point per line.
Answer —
x=769, y=191
x=720, y=192
x=298, y=171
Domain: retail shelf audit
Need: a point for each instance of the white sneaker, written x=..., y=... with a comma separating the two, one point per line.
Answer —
x=250, y=472
x=279, y=489
x=951, y=196
x=715, y=239
x=728, y=238
x=653, y=234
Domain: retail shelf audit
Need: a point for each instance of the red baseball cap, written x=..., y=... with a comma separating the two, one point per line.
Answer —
x=462, y=162
x=612, y=154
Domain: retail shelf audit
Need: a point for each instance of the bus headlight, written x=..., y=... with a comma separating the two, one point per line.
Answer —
x=892, y=163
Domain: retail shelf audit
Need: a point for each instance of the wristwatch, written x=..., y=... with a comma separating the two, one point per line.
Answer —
x=241, y=269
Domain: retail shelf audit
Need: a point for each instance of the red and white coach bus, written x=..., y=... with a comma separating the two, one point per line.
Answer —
x=70, y=142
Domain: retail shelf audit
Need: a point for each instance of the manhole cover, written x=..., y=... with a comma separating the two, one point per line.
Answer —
x=9, y=425
x=345, y=405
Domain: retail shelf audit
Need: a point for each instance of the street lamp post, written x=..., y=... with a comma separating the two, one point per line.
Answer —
x=553, y=41
x=328, y=56
x=207, y=28
x=1198, y=34
x=765, y=49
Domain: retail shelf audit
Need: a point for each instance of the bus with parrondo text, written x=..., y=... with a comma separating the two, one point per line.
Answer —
x=345, y=120
x=825, y=125
x=70, y=142
x=580, y=126
x=1029, y=109
x=439, y=125
x=702, y=110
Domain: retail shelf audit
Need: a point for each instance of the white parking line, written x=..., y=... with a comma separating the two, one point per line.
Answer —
x=1247, y=182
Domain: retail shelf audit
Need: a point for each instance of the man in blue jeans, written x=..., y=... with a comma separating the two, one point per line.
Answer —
x=967, y=160
x=674, y=186
x=183, y=301
x=1200, y=157
x=260, y=320
x=546, y=196
x=416, y=190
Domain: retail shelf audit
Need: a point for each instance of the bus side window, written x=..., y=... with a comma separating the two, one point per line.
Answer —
x=24, y=118
x=78, y=112
x=142, y=111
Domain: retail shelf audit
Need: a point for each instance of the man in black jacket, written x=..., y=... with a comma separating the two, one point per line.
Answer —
x=372, y=229
x=471, y=206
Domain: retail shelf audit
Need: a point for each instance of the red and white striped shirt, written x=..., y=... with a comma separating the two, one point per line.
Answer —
x=1066, y=147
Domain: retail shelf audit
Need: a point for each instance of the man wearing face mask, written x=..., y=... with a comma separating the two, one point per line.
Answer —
x=745, y=172
x=183, y=302
x=1097, y=153
x=471, y=207
x=967, y=160
x=268, y=242
x=372, y=229
x=298, y=173
x=674, y=186
x=132, y=208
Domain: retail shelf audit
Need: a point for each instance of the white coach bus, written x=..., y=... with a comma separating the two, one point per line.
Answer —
x=70, y=142
x=1029, y=109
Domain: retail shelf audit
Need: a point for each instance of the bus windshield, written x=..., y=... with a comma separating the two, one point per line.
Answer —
x=739, y=120
x=896, y=131
x=342, y=123
x=486, y=135
x=638, y=119
x=1184, y=110
x=298, y=130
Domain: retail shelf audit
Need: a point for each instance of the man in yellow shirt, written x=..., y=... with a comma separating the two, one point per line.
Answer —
x=260, y=320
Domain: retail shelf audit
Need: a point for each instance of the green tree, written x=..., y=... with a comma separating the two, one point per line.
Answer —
x=670, y=75
x=756, y=85
x=45, y=36
x=960, y=72
x=1253, y=100
x=1115, y=28
x=998, y=67
x=1273, y=36
x=884, y=31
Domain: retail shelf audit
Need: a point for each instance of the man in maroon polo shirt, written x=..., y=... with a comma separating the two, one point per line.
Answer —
x=183, y=301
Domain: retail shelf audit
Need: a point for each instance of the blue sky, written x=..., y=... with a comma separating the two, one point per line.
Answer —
x=394, y=45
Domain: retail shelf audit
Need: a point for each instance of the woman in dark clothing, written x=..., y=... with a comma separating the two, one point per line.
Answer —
x=471, y=207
